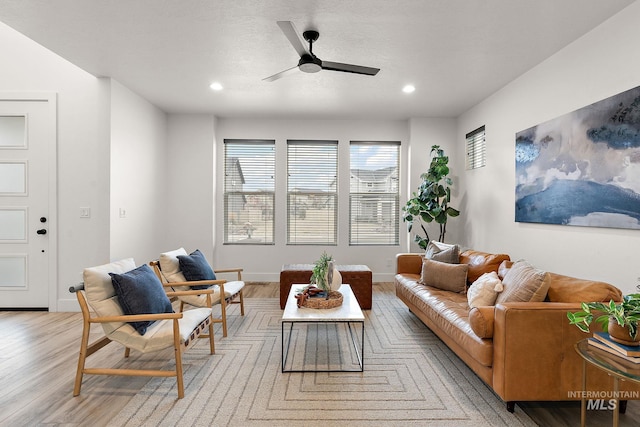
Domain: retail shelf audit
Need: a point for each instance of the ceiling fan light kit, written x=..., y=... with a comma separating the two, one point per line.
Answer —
x=310, y=63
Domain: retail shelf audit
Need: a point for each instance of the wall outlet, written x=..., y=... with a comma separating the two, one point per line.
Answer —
x=123, y=213
x=85, y=212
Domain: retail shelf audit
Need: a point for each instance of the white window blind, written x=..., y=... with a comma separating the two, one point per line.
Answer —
x=374, y=193
x=476, y=148
x=249, y=191
x=312, y=194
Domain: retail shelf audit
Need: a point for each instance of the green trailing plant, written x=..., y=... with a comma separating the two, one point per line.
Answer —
x=625, y=313
x=319, y=272
x=431, y=202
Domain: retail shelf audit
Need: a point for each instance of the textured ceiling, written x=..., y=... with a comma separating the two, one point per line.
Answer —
x=455, y=52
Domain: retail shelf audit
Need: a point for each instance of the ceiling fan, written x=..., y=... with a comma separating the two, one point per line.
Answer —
x=309, y=63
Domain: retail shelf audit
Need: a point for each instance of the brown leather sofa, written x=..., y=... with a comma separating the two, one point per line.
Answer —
x=524, y=351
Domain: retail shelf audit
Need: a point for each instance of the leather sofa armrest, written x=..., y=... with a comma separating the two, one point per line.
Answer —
x=409, y=263
x=534, y=353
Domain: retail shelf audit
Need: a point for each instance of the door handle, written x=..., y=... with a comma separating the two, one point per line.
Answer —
x=42, y=231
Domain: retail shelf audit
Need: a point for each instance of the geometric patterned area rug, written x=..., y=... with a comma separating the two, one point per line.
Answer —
x=410, y=378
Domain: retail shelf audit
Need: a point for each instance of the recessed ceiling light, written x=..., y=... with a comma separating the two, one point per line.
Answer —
x=215, y=86
x=409, y=89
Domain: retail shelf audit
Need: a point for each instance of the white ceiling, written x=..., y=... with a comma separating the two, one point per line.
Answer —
x=455, y=52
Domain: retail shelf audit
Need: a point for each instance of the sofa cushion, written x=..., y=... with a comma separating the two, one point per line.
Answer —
x=481, y=321
x=569, y=289
x=443, y=252
x=484, y=291
x=449, y=313
x=480, y=263
x=524, y=283
x=445, y=276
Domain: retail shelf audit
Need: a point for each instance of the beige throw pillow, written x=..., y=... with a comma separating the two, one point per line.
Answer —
x=485, y=290
x=524, y=283
x=443, y=252
x=445, y=276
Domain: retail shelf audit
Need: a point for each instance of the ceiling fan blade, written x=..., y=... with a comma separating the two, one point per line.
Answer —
x=349, y=68
x=281, y=74
x=292, y=34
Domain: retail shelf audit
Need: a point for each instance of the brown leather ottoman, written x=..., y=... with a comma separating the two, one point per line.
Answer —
x=358, y=276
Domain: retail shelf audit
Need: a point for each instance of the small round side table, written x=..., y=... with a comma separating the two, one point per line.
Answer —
x=611, y=364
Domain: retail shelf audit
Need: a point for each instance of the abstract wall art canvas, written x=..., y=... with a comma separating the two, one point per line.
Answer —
x=582, y=168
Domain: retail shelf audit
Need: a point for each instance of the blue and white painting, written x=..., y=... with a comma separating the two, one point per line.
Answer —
x=582, y=168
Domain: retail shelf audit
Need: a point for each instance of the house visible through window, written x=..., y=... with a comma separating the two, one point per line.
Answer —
x=312, y=195
x=476, y=148
x=374, y=193
x=249, y=191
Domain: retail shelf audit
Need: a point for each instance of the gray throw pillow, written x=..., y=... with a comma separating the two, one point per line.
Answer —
x=443, y=252
x=445, y=276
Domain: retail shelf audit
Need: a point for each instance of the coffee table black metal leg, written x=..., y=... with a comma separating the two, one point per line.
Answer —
x=359, y=353
x=285, y=354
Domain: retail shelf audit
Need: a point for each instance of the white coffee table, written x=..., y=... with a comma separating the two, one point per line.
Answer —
x=349, y=312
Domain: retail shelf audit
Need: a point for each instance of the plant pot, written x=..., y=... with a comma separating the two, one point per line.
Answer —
x=620, y=334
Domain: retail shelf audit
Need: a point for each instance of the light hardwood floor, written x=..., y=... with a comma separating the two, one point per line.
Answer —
x=39, y=353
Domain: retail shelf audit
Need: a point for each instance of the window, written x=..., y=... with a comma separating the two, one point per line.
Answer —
x=249, y=191
x=476, y=148
x=374, y=193
x=312, y=194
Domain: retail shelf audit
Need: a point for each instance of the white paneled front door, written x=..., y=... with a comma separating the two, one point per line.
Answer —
x=27, y=200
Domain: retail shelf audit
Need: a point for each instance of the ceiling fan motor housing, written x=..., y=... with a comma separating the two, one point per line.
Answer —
x=310, y=64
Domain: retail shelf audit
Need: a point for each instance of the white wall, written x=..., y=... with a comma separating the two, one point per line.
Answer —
x=600, y=64
x=188, y=194
x=83, y=152
x=138, y=176
x=265, y=262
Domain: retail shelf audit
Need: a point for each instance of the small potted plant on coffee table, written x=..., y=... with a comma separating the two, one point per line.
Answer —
x=319, y=273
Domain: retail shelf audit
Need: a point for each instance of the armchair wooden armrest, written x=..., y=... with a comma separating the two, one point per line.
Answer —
x=190, y=292
x=196, y=283
x=231, y=270
x=136, y=317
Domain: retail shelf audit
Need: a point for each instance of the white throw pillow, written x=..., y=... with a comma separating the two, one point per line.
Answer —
x=485, y=290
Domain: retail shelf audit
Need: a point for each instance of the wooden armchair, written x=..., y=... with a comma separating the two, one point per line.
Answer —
x=100, y=305
x=207, y=292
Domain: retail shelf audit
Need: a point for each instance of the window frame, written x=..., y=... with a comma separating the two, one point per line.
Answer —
x=264, y=210
x=476, y=149
x=297, y=215
x=374, y=192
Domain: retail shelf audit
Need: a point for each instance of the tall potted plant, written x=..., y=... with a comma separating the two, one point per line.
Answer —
x=431, y=202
